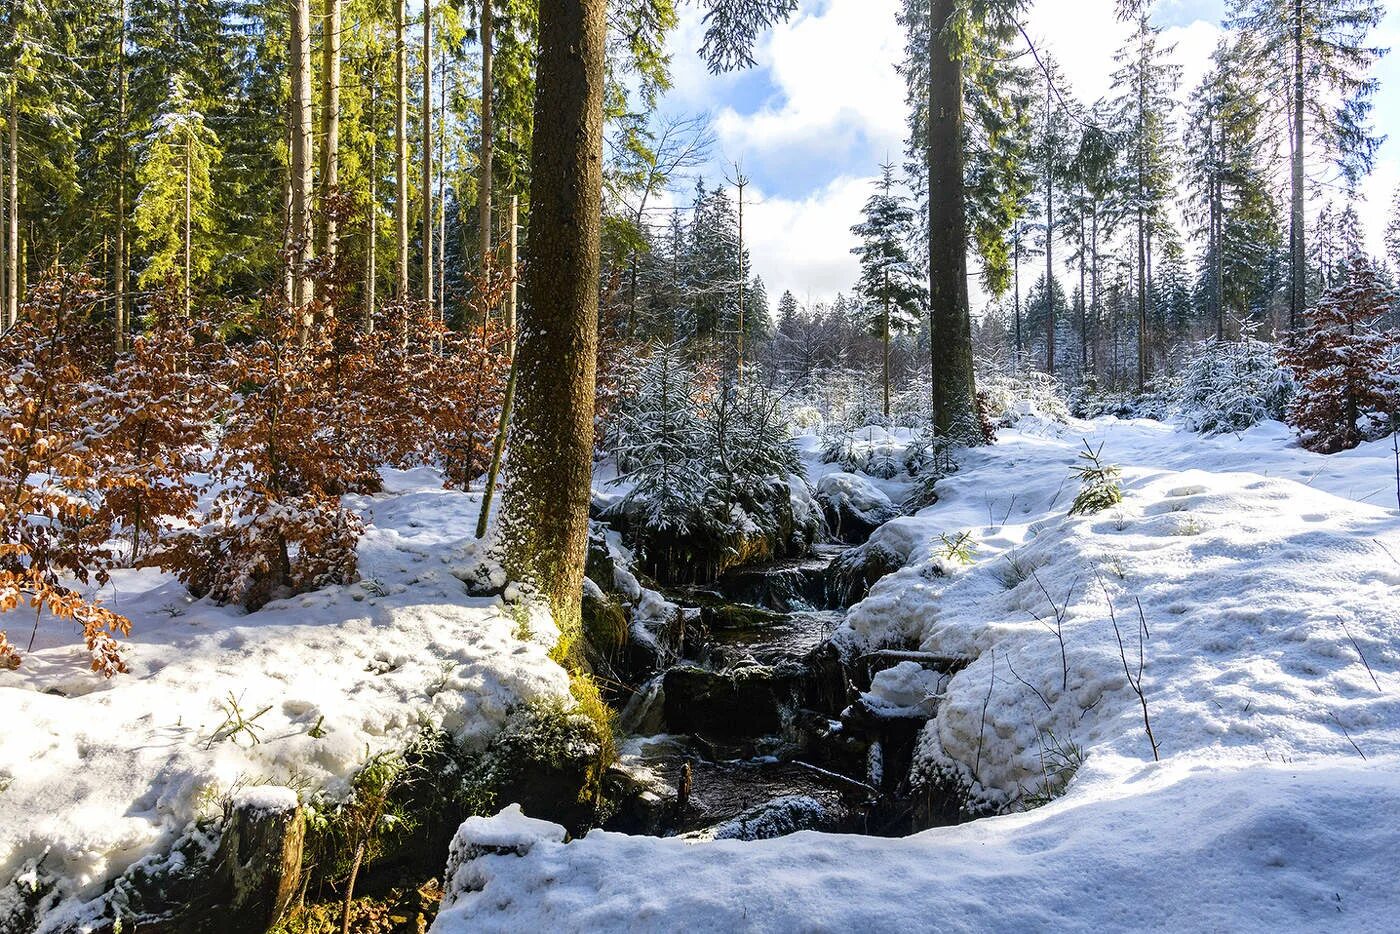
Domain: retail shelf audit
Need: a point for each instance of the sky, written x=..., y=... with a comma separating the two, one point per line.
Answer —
x=823, y=107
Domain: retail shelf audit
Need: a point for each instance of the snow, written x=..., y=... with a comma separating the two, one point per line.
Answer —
x=98, y=774
x=1268, y=580
x=907, y=689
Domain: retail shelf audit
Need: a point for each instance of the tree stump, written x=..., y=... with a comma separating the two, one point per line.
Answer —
x=260, y=855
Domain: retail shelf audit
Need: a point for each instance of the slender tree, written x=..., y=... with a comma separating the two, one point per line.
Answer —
x=1315, y=60
x=488, y=143
x=299, y=230
x=889, y=281
x=330, y=125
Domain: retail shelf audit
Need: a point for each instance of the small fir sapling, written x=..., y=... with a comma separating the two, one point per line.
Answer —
x=1232, y=385
x=1344, y=363
x=1100, y=486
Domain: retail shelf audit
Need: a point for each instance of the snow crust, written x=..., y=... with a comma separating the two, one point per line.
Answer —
x=1269, y=581
x=98, y=774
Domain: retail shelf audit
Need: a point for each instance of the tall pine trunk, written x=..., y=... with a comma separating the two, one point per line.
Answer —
x=372, y=225
x=885, y=345
x=428, y=154
x=550, y=471
x=330, y=126
x=950, y=323
x=12, y=256
x=299, y=61
x=1297, y=297
x=1049, y=236
x=119, y=325
x=401, y=159
x=483, y=204
x=189, y=143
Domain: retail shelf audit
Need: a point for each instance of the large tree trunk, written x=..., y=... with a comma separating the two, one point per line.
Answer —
x=1049, y=238
x=550, y=471
x=950, y=321
x=428, y=154
x=119, y=267
x=401, y=161
x=483, y=203
x=1297, y=298
x=372, y=226
x=885, y=346
x=299, y=61
x=189, y=143
x=12, y=257
x=330, y=125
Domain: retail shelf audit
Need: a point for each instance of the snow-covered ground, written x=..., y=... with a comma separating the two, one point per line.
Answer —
x=1269, y=582
x=96, y=774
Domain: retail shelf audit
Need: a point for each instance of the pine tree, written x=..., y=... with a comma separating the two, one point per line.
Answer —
x=1231, y=198
x=1313, y=58
x=1344, y=364
x=1392, y=234
x=787, y=312
x=661, y=448
x=172, y=216
x=889, y=283
x=1145, y=81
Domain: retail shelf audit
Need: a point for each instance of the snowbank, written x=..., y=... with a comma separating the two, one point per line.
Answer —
x=1268, y=579
x=98, y=774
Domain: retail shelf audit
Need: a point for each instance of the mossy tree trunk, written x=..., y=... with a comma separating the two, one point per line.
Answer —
x=545, y=524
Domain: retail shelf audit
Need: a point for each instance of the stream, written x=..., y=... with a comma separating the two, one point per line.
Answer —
x=757, y=729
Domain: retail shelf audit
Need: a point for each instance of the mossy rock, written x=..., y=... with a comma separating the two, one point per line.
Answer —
x=738, y=616
x=744, y=702
x=549, y=759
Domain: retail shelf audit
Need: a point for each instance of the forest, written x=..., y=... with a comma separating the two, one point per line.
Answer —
x=476, y=465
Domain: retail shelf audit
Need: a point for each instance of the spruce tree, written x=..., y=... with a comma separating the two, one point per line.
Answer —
x=172, y=216
x=1314, y=61
x=889, y=283
x=1145, y=82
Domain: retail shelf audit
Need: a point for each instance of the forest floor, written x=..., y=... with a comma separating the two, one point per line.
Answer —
x=97, y=775
x=1268, y=580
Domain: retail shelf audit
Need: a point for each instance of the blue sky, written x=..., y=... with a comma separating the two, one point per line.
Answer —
x=824, y=107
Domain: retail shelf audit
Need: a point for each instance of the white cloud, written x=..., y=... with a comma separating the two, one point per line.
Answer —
x=834, y=79
x=805, y=244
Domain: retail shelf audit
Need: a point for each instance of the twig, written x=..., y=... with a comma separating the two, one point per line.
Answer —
x=1347, y=735
x=1059, y=629
x=1357, y=646
x=982, y=727
x=1134, y=682
x=1033, y=688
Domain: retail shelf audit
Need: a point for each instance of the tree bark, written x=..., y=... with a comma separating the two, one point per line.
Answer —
x=189, y=143
x=330, y=126
x=299, y=60
x=550, y=472
x=372, y=222
x=12, y=258
x=119, y=325
x=885, y=345
x=428, y=154
x=1297, y=298
x=488, y=146
x=1049, y=236
x=401, y=158
x=950, y=322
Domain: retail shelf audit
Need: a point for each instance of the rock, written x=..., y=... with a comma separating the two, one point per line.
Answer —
x=776, y=818
x=548, y=760
x=743, y=702
x=738, y=616
x=856, y=570
x=853, y=506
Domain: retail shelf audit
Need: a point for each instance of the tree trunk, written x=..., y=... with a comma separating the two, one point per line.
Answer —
x=12, y=258
x=885, y=345
x=119, y=325
x=372, y=227
x=513, y=259
x=950, y=323
x=547, y=494
x=1016, y=285
x=488, y=145
x=428, y=154
x=299, y=62
x=189, y=144
x=401, y=158
x=442, y=196
x=330, y=126
x=1297, y=298
x=1049, y=238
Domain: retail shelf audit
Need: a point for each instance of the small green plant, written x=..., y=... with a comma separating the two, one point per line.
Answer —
x=236, y=723
x=960, y=548
x=521, y=614
x=1100, y=483
x=318, y=731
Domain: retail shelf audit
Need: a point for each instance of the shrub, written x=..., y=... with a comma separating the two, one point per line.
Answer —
x=1232, y=385
x=1100, y=488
